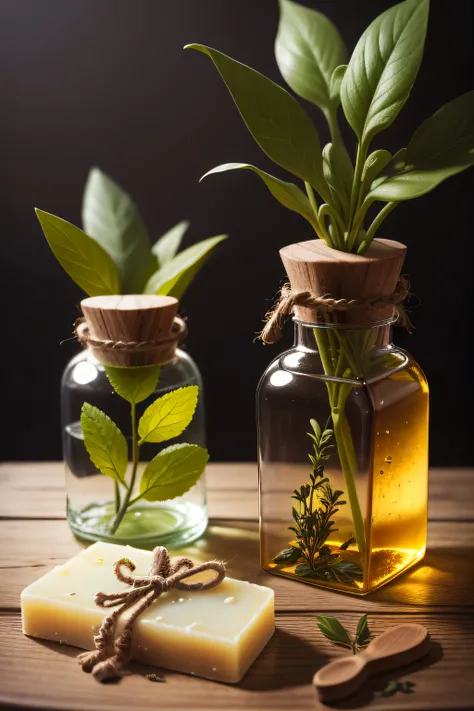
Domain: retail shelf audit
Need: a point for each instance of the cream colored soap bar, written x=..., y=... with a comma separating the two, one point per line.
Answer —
x=215, y=633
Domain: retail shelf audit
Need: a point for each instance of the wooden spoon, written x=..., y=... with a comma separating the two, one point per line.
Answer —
x=394, y=648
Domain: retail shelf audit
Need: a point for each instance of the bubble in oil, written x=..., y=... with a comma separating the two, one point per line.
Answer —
x=388, y=459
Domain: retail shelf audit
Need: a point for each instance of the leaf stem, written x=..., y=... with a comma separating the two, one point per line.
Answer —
x=357, y=184
x=331, y=118
x=135, y=458
x=371, y=232
x=338, y=394
x=321, y=231
x=338, y=224
x=117, y=497
x=358, y=222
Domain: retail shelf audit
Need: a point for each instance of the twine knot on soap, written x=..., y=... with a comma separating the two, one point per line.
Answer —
x=289, y=300
x=110, y=655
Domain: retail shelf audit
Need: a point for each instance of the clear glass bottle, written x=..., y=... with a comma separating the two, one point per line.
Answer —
x=368, y=474
x=90, y=494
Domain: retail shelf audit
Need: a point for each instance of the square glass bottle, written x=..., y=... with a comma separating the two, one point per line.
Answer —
x=343, y=430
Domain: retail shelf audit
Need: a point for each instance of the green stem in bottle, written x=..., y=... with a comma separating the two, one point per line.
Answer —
x=135, y=458
x=338, y=394
x=117, y=497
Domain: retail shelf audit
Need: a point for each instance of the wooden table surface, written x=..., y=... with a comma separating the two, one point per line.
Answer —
x=438, y=593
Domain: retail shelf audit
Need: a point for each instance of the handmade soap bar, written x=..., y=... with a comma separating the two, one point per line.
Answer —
x=215, y=633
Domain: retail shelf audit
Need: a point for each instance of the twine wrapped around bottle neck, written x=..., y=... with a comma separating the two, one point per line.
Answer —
x=110, y=655
x=132, y=329
x=164, y=348
x=289, y=300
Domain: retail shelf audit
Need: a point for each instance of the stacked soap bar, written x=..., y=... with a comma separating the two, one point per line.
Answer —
x=215, y=633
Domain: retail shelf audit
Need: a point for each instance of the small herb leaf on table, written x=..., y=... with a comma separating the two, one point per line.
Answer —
x=334, y=631
x=104, y=442
x=363, y=635
x=134, y=384
x=406, y=687
x=86, y=262
x=169, y=415
x=173, y=472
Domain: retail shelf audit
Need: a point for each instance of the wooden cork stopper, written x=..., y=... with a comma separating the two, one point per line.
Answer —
x=132, y=330
x=313, y=266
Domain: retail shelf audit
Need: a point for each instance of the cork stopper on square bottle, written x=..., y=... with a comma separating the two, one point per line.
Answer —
x=316, y=268
x=131, y=330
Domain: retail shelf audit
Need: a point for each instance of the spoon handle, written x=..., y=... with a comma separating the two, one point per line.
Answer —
x=394, y=648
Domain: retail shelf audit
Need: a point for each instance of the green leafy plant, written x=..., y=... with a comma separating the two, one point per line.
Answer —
x=113, y=254
x=317, y=503
x=340, y=189
x=372, y=86
x=174, y=470
x=334, y=631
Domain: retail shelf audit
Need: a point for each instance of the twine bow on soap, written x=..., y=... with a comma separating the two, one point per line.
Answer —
x=110, y=655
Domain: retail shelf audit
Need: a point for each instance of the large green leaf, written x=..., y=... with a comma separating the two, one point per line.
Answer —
x=105, y=444
x=174, y=278
x=383, y=68
x=110, y=216
x=278, y=123
x=443, y=146
x=173, y=472
x=447, y=138
x=288, y=194
x=166, y=247
x=169, y=415
x=134, y=384
x=308, y=48
x=80, y=256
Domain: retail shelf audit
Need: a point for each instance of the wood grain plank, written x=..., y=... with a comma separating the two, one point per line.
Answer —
x=45, y=675
x=443, y=580
x=36, y=490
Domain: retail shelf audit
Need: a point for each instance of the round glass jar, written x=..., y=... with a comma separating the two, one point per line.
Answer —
x=91, y=498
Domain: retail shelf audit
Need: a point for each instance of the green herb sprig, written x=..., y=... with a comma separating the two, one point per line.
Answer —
x=113, y=254
x=174, y=470
x=405, y=687
x=372, y=86
x=317, y=504
x=334, y=631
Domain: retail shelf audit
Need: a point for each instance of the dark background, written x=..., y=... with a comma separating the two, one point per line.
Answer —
x=105, y=82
